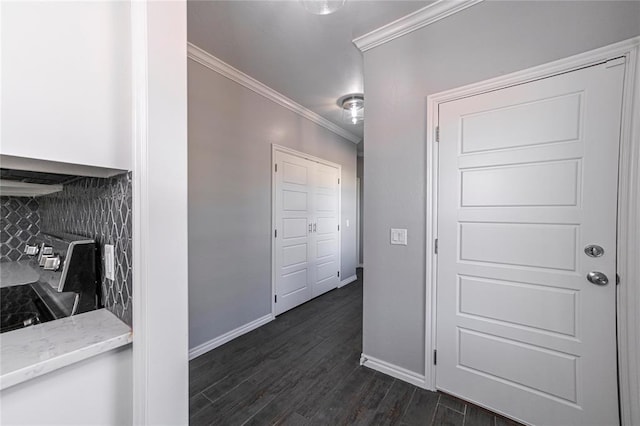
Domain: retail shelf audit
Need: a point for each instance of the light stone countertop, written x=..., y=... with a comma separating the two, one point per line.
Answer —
x=33, y=351
x=17, y=273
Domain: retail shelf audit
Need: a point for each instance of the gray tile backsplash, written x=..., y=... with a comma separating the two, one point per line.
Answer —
x=93, y=207
x=100, y=209
x=19, y=226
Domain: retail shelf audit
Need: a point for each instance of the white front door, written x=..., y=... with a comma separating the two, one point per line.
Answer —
x=306, y=209
x=527, y=180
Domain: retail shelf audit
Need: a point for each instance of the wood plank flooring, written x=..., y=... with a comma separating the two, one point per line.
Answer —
x=303, y=369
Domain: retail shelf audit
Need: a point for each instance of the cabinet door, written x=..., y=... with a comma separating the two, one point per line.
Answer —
x=66, y=82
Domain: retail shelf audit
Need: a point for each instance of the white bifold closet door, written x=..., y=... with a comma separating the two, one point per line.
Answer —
x=526, y=323
x=307, y=230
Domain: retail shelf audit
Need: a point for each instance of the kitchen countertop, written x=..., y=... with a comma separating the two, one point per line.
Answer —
x=17, y=273
x=33, y=351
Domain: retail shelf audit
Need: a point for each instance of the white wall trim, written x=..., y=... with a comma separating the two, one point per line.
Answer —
x=628, y=198
x=159, y=149
x=434, y=12
x=348, y=280
x=208, y=60
x=358, y=218
x=140, y=209
x=629, y=246
x=392, y=370
x=227, y=337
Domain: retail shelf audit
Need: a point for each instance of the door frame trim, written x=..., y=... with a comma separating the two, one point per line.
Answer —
x=275, y=148
x=628, y=238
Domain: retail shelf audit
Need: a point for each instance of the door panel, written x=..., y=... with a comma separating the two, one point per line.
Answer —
x=510, y=361
x=294, y=201
x=294, y=227
x=506, y=124
x=554, y=245
x=478, y=300
x=531, y=188
x=293, y=255
x=326, y=248
x=527, y=179
x=294, y=171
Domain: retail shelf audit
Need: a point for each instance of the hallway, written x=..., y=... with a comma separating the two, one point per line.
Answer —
x=303, y=369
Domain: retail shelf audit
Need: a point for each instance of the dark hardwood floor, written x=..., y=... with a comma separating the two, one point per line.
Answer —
x=303, y=369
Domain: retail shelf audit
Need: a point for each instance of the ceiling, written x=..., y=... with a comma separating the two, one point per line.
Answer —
x=308, y=58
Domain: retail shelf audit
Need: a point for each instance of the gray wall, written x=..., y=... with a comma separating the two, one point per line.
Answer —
x=231, y=130
x=484, y=41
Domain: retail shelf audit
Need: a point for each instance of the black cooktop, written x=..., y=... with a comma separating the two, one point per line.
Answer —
x=20, y=306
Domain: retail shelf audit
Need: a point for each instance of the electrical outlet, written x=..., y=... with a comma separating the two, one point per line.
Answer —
x=109, y=263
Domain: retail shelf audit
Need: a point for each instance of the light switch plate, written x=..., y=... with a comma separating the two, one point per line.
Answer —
x=399, y=236
x=109, y=264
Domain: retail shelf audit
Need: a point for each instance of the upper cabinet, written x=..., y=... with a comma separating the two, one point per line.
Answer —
x=66, y=82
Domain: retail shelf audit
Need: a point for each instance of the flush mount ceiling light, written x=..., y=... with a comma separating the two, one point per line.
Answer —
x=322, y=7
x=352, y=108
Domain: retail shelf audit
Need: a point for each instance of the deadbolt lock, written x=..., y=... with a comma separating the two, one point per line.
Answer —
x=593, y=250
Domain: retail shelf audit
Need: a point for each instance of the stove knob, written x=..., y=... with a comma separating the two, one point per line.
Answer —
x=52, y=263
x=45, y=251
x=31, y=250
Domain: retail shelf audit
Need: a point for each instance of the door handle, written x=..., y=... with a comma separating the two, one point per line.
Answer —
x=310, y=228
x=597, y=278
x=314, y=227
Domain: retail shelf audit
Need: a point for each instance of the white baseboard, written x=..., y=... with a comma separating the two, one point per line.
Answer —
x=393, y=370
x=226, y=337
x=346, y=281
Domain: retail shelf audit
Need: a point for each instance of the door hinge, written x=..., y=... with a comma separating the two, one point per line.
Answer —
x=338, y=181
x=437, y=133
x=276, y=170
x=338, y=274
x=435, y=357
x=275, y=298
x=338, y=227
x=435, y=246
x=275, y=234
x=617, y=279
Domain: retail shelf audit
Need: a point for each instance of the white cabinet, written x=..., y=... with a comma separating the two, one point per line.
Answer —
x=66, y=82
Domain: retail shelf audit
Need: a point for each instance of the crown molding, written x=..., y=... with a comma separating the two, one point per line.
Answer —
x=434, y=12
x=208, y=60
